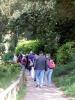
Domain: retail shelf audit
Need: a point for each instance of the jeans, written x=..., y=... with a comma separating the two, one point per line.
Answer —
x=40, y=77
x=49, y=76
x=45, y=78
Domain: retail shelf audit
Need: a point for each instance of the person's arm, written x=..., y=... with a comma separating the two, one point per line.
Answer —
x=35, y=63
x=45, y=65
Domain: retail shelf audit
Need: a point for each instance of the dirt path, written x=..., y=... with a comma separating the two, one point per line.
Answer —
x=45, y=93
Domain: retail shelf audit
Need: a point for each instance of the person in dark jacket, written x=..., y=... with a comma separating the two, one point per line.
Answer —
x=40, y=67
x=28, y=62
x=23, y=64
x=31, y=56
x=24, y=61
x=20, y=56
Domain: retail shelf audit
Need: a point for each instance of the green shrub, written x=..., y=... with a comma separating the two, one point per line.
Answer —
x=66, y=83
x=64, y=69
x=14, y=68
x=8, y=69
x=66, y=53
x=8, y=74
x=3, y=70
x=22, y=92
x=7, y=56
x=26, y=46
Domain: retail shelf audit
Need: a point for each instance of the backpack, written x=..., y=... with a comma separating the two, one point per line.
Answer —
x=51, y=64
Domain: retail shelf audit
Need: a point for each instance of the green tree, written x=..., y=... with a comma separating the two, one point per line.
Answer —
x=39, y=21
x=65, y=20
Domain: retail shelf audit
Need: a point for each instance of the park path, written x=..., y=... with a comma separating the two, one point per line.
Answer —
x=44, y=93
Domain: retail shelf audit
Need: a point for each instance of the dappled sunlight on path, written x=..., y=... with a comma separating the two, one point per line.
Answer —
x=44, y=93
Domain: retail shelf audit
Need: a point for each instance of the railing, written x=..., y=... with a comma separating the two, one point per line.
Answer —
x=11, y=92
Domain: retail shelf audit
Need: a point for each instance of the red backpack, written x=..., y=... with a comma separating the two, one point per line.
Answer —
x=51, y=64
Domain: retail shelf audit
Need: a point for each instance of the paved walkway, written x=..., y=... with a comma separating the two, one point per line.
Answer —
x=51, y=93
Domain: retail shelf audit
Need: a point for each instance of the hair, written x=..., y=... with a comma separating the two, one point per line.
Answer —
x=41, y=52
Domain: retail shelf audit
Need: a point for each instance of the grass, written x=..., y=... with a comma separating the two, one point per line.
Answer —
x=7, y=79
x=21, y=93
x=8, y=74
x=67, y=83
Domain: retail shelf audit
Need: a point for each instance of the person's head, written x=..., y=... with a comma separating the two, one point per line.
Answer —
x=41, y=53
x=31, y=52
x=48, y=56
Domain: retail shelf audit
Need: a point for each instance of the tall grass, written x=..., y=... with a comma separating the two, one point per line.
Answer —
x=21, y=93
x=8, y=74
x=64, y=77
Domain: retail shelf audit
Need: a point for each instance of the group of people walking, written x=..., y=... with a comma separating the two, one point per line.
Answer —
x=40, y=67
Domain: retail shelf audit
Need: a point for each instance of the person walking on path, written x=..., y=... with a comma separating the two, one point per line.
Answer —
x=23, y=63
x=45, y=75
x=28, y=63
x=36, y=56
x=50, y=67
x=40, y=67
x=20, y=56
x=31, y=58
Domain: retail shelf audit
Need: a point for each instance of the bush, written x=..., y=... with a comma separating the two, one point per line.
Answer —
x=64, y=69
x=8, y=74
x=14, y=68
x=66, y=83
x=7, y=56
x=8, y=69
x=66, y=53
x=26, y=46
